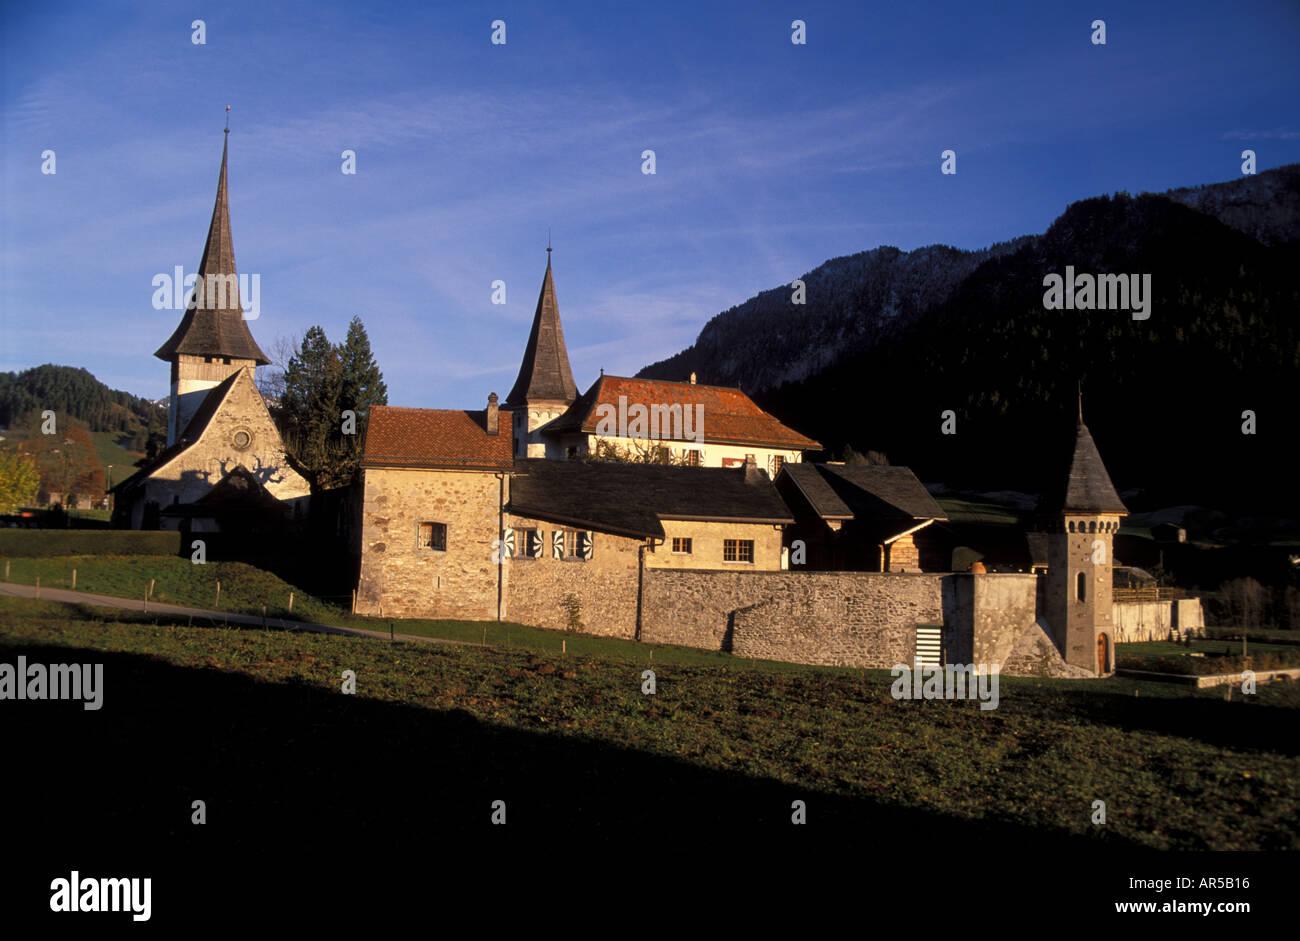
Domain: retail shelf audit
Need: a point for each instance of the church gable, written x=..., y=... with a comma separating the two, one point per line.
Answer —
x=231, y=428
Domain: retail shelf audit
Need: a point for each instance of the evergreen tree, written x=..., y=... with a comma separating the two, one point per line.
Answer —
x=362, y=386
x=310, y=409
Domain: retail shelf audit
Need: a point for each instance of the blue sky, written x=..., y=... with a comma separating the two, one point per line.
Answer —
x=771, y=158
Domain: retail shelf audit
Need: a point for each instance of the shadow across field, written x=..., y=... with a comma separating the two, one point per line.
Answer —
x=1238, y=726
x=291, y=767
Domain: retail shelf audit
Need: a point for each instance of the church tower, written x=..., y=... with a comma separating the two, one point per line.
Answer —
x=545, y=387
x=1080, y=559
x=212, y=341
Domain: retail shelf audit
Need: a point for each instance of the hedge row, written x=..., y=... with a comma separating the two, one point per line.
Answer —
x=1264, y=635
x=36, y=543
x=1208, y=666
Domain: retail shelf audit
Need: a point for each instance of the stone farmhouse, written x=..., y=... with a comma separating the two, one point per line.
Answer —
x=224, y=467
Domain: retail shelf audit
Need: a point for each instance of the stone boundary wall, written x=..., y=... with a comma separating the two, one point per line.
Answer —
x=852, y=619
x=700, y=608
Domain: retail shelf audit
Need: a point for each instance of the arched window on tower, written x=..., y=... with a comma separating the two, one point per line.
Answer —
x=1081, y=587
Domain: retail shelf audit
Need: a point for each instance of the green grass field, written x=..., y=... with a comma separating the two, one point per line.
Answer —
x=110, y=452
x=244, y=589
x=1177, y=768
x=968, y=509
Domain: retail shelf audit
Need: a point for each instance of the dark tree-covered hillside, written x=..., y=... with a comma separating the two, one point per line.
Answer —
x=1163, y=397
x=75, y=392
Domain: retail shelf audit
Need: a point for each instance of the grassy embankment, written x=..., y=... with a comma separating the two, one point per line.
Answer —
x=245, y=589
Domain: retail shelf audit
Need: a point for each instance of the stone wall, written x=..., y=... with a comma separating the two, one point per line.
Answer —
x=401, y=579
x=857, y=619
x=850, y=619
x=605, y=585
x=1003, y=606
x=1155, y=620
x=904, y=555
x=799, y=615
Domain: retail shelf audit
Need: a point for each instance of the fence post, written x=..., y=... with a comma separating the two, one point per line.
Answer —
x=290, y=601
x=354, y=598
x=146, y=601
x=217, y=603
x=263, y=617
x=6, y=570
x=151, y=588
x=74, y=579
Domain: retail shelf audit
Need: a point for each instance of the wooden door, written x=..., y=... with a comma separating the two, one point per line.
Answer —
x=1103, y=653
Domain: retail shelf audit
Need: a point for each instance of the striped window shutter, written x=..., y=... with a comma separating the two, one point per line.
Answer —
x=929, y=645
x=557, y=544
x=584, y=544
x=508, y=544
x=535, y=543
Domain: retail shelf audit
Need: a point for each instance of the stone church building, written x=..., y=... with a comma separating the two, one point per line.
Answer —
x=224, y=468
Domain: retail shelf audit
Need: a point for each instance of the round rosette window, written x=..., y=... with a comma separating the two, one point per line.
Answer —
x=242, y=439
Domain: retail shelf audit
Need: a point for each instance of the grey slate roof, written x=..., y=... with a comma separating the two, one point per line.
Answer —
x=545, y=372
x=1089, y=489
x=632, y=499
x=863, y=491
x=216, y=331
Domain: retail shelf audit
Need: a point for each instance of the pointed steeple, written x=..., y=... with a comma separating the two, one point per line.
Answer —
x=545, y=374
x=215, y=325
x=1089, y=489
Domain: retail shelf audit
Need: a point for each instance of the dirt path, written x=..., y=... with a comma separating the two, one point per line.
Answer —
x=216, y=617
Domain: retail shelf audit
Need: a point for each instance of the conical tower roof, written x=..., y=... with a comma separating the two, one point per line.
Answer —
x=545, y=373
x=1089, y=489
x=215, y=326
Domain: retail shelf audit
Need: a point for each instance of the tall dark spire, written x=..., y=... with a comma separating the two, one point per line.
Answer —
x=215, y=326
x=545, y=374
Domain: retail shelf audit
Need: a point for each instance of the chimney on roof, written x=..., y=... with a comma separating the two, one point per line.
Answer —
x=752, y=474
x=692, y=378
x=493, y=419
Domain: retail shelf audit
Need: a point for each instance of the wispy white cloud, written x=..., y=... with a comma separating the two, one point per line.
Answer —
x=1278, y=133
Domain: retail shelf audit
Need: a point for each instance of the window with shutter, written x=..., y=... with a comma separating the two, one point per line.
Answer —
x=557, y=544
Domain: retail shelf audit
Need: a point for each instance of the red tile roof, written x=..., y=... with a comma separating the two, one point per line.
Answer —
x=436, y=438
x=730, y=416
